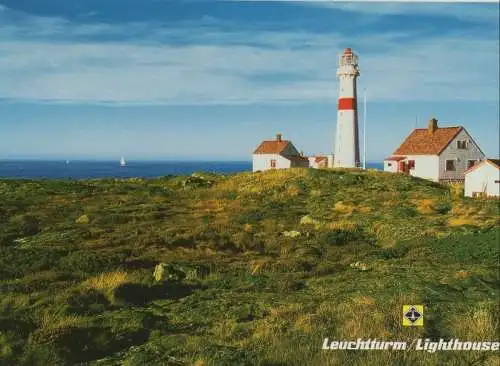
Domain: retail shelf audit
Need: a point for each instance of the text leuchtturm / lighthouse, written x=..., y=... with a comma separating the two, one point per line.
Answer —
x=347, y=135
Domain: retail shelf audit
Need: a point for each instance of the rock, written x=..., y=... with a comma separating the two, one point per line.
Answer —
x=360, y=266
x=291, y=234
x=84, y=219
x=179, y=272
x=164, y=272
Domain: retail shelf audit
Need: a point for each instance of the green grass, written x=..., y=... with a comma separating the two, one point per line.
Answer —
x=77, y=260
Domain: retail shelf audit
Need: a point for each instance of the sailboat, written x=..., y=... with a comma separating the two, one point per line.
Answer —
x=122, y=161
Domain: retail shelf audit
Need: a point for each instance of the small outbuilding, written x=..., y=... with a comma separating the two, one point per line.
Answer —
x=321, y=161
x=277, y=154
x=483, y=179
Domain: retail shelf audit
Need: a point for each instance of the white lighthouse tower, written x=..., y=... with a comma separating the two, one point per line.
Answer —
x=347, y=135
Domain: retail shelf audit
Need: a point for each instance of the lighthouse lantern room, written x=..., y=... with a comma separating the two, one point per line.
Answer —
x=347, y=134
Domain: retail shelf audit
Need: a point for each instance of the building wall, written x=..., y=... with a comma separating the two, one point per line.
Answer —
x=426, y=166
x=300, y=163
x=482, y=179
x=390, y=166
x=460, y=156
x=312, y=162
x=346, y=140
x=347, y=132
x=263, y=162
x=330, y=160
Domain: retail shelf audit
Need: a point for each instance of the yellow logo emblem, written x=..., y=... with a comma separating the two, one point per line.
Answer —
x=413, y=315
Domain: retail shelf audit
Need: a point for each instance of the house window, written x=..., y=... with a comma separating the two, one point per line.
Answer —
x=411, y=164
x=470, y=163
x=389, y=164
x=462, y=144
x=273, y=163
x=450, y=166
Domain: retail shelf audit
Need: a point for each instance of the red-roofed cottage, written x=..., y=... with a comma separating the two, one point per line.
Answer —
x=277, y=154
x=436, y=153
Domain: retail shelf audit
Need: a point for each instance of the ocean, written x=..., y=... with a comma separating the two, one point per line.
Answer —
x=25, y=169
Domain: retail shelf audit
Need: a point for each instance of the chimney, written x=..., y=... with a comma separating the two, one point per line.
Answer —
x=278, y=137
x=433, y=125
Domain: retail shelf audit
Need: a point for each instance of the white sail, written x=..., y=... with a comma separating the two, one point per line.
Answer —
x=122, y=161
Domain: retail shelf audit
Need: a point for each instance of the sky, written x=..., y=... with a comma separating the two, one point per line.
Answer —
x=209, y=80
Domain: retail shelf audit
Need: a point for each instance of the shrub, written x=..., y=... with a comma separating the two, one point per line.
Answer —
x=196, y=182
x=18, y=262
x=229, y=356
x=91, y=262
x=404, y=212
x=288, y=284
x=86, y=302
x=398, y=251
x=250, y=217
x=442, y=208
x=456, y=190
x=336, y=237
x=26, y=225
x=74, y=344
x=246, y=242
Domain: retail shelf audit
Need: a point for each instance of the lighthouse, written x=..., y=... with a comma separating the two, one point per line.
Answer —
x=347, y=135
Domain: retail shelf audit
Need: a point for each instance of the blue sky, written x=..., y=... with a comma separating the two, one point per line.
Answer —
x=159, y=79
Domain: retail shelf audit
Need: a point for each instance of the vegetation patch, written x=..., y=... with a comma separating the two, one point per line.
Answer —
x=243, y=269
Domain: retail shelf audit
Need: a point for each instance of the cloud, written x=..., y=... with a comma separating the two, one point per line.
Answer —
x=468, y=10
x=53, y=60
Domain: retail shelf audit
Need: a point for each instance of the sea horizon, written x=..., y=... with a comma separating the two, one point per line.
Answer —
x=101, y=169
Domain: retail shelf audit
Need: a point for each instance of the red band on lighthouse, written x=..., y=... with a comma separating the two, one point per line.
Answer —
x=347, y=104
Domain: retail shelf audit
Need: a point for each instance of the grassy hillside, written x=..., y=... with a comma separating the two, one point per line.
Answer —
x=262, y=267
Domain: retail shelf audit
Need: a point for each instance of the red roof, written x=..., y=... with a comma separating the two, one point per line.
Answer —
x=494, y=162
x=271, y=147
x=395, y=158
x=422, y=142
x=319, y=159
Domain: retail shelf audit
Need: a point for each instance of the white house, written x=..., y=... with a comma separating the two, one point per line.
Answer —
x=483, y=179
x=441, y=154
x=277, y=154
